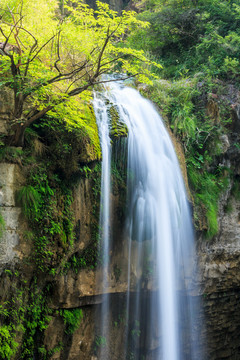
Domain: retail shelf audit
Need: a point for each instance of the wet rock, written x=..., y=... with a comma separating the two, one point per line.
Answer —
x=225, y=145
x=236, y=116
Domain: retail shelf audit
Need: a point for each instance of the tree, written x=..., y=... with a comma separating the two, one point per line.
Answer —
x=69, y=57
x=191, y=36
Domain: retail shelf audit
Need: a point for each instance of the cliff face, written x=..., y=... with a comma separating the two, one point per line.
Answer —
x=77, y=286
x=218, y=274
x=10, y=243
x=11, y=178
x=219, y=281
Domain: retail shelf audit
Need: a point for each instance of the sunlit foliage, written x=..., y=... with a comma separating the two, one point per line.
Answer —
x=189, y=36
x=50, y=54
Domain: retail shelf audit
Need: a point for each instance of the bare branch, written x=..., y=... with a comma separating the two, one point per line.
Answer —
x=21, y=9
x=3, y=46
x=108, y=37
x=3, y=33
x=31, y=112
x=58, y=53
x=101, y=53
x=8, y=37
x=40, y=49
x=113, y=60
x=113, y=32
x=78, y=79
x=16, y=38
x=30, y=52
x=85, y=87
x=58, y=78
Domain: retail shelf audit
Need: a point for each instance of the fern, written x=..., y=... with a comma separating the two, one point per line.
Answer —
x=29, y=198
x=72, y=319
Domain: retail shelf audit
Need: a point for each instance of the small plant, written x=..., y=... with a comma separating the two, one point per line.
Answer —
x=2, y=225
x=100, y=342
x=136, y=332
x=10, y=154
x=8, y=345
x=86, y=171
x=29, y=198
x=72, y=319
x=117, y=272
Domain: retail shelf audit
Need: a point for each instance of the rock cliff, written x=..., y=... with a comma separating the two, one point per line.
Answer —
x=215, y=282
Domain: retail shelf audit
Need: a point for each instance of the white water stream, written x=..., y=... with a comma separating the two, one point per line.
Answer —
x=105, y=204
x=158, y=229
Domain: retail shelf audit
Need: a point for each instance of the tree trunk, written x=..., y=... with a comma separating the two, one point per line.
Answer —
x=18, y=105
x=17, y=139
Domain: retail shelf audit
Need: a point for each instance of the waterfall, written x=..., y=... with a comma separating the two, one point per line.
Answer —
x=105, y=207
x=159, y=233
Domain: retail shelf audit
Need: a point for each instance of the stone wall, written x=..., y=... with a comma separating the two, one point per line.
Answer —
x=11, y=179
x=218, y=279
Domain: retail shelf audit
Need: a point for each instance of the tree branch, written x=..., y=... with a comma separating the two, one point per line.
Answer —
x=8, y=37
x=38, y=115
x=58, y=53
x=101, y=53
x=74, y=92
x=78, y=79
x=30, y=52
x=85, y=87
x=40, y=49
x=58, y=78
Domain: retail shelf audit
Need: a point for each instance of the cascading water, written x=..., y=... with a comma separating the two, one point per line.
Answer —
x=159, y=232
x=105, y=205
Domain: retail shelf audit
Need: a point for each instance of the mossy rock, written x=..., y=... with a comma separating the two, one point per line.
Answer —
x=118, y=128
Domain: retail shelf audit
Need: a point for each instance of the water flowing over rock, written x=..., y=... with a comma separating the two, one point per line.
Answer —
x=159, y=237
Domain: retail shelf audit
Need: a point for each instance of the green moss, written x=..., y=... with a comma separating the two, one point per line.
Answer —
x=2, y=225
x=118, y=128
x=207, y=189
x=91, y=121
